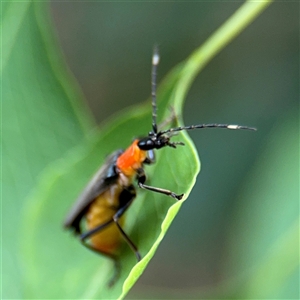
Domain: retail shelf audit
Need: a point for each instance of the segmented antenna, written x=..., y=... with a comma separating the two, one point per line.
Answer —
x=155, y=61
x=200, y=126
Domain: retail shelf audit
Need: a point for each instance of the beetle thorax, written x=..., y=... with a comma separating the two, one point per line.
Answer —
x=131, y=160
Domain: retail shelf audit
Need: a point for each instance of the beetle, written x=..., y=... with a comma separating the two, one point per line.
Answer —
x=111, y=191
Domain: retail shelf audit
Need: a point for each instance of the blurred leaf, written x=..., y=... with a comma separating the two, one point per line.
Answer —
x=42, y=118
x=264, y=236
x=47, y=208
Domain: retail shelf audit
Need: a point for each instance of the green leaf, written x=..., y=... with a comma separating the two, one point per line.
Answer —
x=55, y=264
x=42, y=118
x=269, y=215
x=61, y=184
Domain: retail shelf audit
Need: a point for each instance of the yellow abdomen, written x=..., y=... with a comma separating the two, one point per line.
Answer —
x=101, y=210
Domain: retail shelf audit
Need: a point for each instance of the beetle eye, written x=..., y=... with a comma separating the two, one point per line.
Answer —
x=146, y=144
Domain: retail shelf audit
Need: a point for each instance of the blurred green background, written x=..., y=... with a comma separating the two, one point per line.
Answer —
x=237, y=236
x=230, y=221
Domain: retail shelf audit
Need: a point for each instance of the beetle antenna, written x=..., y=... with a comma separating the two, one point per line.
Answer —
x=155, y=61
x=200, y=126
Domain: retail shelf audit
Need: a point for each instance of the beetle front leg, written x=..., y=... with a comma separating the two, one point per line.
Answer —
x=141, y=177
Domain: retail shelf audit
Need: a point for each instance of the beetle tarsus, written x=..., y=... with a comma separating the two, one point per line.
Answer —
x=179, y=197
x=116, y=274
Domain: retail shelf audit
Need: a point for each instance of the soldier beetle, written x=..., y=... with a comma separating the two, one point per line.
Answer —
x=111, y=191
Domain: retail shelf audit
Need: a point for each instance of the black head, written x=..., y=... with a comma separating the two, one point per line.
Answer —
x=157, y=141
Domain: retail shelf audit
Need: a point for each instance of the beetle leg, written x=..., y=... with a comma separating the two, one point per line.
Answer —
x=114, y=258
x=160, y=190
x=98, y=228
x=116, y=218
x=141, y=177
